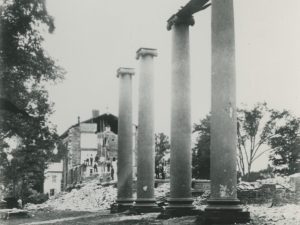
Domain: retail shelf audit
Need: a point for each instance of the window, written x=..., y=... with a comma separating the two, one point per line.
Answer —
x=53, y=178
x=52, y=192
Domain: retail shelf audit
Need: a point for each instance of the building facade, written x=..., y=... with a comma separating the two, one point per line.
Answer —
x=92, y=147
x=53, y=178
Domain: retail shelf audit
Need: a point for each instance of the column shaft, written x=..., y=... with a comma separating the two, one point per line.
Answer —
x=223, y=204
x=180, y=168
x=145, y=165
x=124, y=163
x=223, y=118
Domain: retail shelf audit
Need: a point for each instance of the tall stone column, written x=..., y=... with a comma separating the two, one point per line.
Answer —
x=145, y=201
x=223, y=203
x=124, y=163
x=180, y=201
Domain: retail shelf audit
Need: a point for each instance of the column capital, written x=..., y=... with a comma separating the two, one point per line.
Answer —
x=176, y=20
x=123, y=71
x=146, y=51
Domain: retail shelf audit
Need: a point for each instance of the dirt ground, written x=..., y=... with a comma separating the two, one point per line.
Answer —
x=101, y=217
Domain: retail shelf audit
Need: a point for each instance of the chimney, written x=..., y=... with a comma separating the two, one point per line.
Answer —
x=95, y=113
x=78, y=118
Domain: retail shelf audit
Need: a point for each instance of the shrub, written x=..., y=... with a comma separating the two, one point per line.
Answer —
x=37, y=198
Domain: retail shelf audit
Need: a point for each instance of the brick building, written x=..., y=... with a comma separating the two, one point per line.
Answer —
x=84, y=141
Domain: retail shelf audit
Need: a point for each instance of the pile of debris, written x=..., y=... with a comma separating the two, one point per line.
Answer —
x=286, y=214
x=277, y=190
x=93, y=196
x=163, y=190
x=200, y=202
x=278, y=182
x=90, y=197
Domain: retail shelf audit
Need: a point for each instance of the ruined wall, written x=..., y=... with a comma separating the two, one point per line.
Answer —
x=74, y=147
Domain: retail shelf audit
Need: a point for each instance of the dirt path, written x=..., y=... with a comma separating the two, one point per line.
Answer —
x=101, y=218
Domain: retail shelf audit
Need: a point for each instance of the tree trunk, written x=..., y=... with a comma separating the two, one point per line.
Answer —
x=249, y=170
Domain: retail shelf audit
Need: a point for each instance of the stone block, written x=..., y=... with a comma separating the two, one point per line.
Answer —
x=201, y=185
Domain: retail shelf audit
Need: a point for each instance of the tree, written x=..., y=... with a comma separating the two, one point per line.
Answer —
x=259, y=130
x=201, y=151
x=285, y=155
x=25, y=70
x=162, y=144
x=248, y=142
x=256, y=128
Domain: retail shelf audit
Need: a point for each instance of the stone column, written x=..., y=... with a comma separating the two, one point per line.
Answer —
x=145, y=201
x=180, y=201
x=223, y=204
x=124, y=163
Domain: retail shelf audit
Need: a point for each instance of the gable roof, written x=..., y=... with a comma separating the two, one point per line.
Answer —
x=102, y=121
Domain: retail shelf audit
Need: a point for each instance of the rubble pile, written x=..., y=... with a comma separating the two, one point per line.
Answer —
x=248, y=186
x=162, y=190
x=287, y=214
x=279, y=182
x=90, y=197
x=278, y=190
x=200, y=202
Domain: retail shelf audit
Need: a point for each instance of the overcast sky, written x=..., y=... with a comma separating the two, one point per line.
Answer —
x=93, y=38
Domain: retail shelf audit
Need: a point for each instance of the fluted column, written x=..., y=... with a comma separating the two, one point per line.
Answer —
x=145, y=201
x=180, y=200
x=124, y=163
x=223, y=203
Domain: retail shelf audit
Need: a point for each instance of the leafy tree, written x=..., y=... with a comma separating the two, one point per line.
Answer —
x=201, y=151
x=286, y=147
x=161, y=145
x=259, y=130
x=250, y=141
x=25, y=70
x=256, y=128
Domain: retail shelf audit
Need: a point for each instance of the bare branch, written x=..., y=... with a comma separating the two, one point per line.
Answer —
x=263, y=152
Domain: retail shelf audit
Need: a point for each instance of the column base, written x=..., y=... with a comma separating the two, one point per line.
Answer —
x=121, y=205
x=179, y=207
x=224, y=212
x=146, y=205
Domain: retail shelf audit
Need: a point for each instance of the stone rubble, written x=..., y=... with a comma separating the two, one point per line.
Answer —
x=93, y=196
x=90, y=197
x=284, y=215
x=162, y=190
x=280, y=182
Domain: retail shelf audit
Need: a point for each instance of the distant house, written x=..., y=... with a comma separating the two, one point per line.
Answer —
x=53, y=178
x=85, y=140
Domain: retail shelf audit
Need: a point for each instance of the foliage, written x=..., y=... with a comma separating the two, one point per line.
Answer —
x=36, y=198
x=259, y=130
x=286, y=147
x=201, y=151
x=61, y=153
x=162, y=144
x=25, y=70
x=252, y=135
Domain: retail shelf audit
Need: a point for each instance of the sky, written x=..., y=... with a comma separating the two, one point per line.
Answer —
x=93, y=38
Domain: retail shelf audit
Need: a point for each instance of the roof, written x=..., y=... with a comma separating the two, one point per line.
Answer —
x=102, y=121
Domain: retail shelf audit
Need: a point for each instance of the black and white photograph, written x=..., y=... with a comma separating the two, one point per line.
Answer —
x=162, y=112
